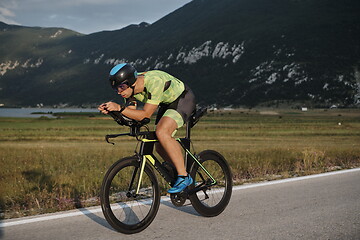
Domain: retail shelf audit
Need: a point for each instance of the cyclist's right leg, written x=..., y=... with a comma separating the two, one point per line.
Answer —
x=164, y=131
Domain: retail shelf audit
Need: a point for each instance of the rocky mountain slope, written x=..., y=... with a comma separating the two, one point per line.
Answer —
x=230, y=52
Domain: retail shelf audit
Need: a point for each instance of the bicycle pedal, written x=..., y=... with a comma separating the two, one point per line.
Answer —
x=178, y=199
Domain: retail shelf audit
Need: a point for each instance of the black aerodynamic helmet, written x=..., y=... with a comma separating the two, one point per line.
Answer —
x=122, y=73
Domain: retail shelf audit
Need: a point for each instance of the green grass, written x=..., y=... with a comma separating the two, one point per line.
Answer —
x=57, y=164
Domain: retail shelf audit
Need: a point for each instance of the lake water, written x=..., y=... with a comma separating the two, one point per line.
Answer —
x=26, y=112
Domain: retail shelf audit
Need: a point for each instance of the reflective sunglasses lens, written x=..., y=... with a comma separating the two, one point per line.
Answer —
x=121, y=88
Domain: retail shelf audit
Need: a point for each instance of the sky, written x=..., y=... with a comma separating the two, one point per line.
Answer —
x=85, y=16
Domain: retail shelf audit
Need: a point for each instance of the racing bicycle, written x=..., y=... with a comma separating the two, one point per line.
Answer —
x=130, y=193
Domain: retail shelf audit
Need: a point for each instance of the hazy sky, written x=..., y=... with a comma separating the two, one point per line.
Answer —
x=85, y=16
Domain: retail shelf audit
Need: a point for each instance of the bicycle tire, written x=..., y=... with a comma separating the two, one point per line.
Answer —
x=218, y=195
x=124, y=211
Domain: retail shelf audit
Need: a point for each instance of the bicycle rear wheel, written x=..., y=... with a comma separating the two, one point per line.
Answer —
x=212, y=200
x=126, y=211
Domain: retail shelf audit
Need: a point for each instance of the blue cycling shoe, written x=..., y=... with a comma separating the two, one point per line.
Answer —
x=180, y=184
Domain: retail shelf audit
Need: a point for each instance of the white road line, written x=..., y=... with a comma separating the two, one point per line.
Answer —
x=72, y=213
x=295, y=179
x=93, y=210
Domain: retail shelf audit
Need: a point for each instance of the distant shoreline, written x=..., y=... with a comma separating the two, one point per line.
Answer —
x=38, y=112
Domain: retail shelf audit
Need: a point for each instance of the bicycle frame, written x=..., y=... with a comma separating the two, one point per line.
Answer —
x=146, y=155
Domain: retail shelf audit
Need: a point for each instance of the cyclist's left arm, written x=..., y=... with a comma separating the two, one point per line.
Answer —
x=131, y=103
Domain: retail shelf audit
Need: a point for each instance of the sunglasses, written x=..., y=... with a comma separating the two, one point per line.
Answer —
x=121, y=87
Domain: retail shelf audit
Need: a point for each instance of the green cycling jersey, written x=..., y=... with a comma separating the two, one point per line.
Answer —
x=160, y=87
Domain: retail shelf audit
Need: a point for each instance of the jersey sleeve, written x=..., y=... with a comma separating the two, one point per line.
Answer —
x=131, y=101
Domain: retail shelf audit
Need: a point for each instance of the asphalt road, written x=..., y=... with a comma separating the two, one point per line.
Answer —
x=318, y=207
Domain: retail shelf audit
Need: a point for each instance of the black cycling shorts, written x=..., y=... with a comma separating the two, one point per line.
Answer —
x=180, y=110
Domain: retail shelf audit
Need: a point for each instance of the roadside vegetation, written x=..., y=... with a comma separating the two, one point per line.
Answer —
x=49, y=165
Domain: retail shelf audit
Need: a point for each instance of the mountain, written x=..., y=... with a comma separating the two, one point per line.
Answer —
x=230, y=52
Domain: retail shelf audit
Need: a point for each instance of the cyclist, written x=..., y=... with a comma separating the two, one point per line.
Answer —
x=155, y=88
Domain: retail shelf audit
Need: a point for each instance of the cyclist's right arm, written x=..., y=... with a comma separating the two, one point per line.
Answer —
x=112, y=106
x=140, y=114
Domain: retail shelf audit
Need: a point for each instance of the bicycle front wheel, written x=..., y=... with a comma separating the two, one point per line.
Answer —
x=212, y=199
x=126, y=211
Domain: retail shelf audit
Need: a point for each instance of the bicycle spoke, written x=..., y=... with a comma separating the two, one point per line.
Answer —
x=124, y=209
x=134, y=207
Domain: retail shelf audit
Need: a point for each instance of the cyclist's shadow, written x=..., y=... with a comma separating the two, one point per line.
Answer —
x=187, y=208
x=98, y=219
x=128, y=213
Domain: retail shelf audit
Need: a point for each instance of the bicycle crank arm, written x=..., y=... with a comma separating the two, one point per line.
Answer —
x=198, y=189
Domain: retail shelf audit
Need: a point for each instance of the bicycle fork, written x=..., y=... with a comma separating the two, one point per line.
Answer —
x=142, y=169
x=133, y=177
